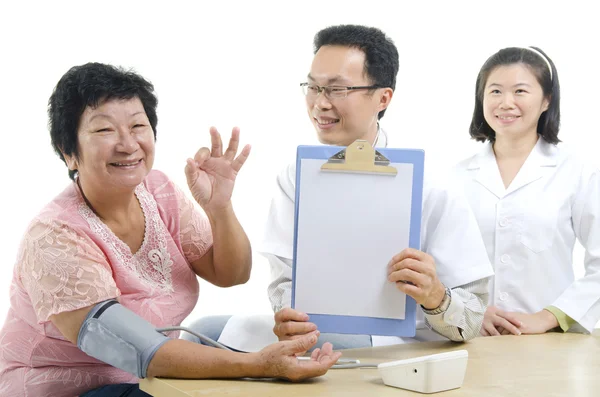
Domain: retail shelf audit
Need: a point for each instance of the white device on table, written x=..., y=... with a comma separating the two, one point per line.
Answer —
x=426, y=374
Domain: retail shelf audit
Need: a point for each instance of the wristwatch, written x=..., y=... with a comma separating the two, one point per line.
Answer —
x=443, y=305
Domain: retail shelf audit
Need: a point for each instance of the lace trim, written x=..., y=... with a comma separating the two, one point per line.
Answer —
x=152, y=262
x=195, y=234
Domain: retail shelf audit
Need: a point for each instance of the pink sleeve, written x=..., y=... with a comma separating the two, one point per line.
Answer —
x=195, y=232
x=62, y=270
x=185, y=219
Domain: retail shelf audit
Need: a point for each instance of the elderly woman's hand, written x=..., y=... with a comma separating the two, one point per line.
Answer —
x=279, y=359
x=211, y=173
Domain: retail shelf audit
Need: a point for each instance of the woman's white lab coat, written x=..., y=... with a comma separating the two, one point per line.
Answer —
x=529, y=230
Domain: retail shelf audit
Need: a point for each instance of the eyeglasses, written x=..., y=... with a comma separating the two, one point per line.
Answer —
x=331, y=92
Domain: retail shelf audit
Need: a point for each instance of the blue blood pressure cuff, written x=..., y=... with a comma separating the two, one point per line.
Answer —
x=117, y=336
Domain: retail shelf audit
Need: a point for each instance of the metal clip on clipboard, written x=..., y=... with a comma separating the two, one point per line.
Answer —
x=359, y=157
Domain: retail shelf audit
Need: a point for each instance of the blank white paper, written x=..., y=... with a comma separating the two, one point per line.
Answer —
x=349, y=227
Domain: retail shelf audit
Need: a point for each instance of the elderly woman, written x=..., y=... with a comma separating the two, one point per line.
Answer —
x=116, y=255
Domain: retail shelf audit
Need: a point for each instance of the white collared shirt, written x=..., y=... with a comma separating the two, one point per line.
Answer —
x=529, y=230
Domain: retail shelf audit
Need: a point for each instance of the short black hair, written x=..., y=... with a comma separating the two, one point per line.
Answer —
x=91, y=85
x=549, y=122
x=381, y=55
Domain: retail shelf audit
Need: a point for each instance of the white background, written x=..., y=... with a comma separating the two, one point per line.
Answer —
x=229, y=63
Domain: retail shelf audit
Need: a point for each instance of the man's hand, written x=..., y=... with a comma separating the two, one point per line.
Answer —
x=414, y=273
x=292, y=324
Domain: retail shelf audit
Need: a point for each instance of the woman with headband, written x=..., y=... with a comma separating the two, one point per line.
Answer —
x=532, y=199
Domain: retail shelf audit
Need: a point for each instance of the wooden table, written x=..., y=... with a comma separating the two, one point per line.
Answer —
x=546, y=365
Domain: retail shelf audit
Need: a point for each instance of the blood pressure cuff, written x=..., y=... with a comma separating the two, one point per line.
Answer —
x=117, y=336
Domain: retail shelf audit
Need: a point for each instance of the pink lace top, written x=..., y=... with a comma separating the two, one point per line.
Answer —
x=69, y=259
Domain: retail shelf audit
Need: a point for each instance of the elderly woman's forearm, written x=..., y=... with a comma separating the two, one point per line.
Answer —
x=232, y=254
x=187, y=360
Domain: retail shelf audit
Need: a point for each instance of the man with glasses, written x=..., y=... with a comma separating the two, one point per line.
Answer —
x=348, y=89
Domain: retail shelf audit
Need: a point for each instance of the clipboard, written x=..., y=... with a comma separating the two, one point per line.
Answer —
x=355, y=208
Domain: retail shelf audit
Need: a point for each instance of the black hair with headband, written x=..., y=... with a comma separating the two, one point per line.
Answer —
x=543, y=69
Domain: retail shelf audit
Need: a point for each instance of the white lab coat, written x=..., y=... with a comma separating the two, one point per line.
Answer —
x=529, y=230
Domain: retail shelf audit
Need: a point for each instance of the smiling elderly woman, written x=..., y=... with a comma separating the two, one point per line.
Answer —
x=116, y=254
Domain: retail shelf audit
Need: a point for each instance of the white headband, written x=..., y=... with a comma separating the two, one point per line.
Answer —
x=543, y=57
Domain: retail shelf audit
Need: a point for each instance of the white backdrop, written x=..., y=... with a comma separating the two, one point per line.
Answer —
x=239, y=63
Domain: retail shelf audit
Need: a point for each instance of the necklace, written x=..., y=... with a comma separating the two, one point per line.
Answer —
x=376, y=137
x=87, y=202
